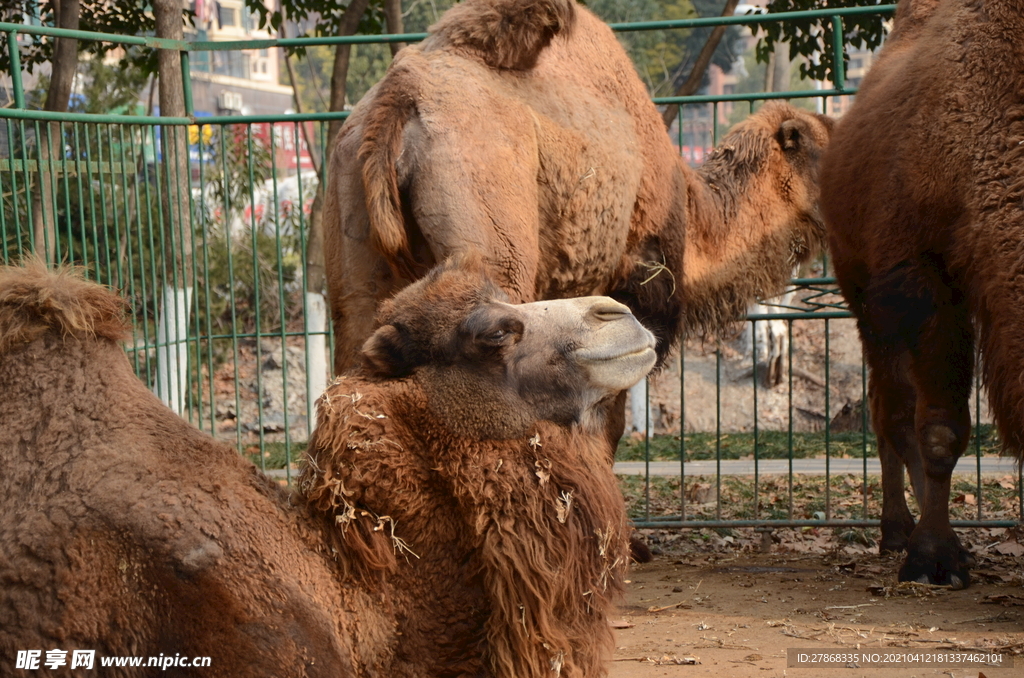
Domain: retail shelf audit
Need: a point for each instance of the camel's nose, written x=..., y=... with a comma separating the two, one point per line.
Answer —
x=606, y=310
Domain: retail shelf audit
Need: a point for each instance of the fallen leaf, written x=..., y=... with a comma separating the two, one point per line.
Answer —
x=1004, y=599
x=621, y=624
x=1010, y=548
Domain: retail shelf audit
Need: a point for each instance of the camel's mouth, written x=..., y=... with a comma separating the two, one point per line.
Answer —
x=609, y=354
x=614, y=369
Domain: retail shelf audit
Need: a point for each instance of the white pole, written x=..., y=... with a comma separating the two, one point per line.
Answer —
x=316, y=353
x=639, y=404
x=172, y=347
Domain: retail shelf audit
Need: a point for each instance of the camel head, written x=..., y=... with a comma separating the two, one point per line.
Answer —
x=492, y=368
x=754, y=214
x=777, y=153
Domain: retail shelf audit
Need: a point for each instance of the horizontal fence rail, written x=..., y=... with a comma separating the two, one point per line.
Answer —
x=213, y=262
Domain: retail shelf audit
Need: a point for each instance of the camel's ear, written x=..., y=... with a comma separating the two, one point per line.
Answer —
x=789, y=135
x=385, y=353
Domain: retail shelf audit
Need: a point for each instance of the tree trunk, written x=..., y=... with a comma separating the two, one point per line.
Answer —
x=393, y=19
x=700, y=66
x=176, y=300
x=314, y=154
x=62, y=76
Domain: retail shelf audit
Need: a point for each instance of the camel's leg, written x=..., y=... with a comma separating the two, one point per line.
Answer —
x=892, y=397
x=943, y=369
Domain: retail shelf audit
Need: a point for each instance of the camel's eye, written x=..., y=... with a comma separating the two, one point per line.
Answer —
x=502, y=333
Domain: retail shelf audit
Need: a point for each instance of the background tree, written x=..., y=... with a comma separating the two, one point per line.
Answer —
x=62, y=54
x=812, y=38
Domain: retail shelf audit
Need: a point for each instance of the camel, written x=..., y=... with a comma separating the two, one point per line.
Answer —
x=455, y=516
x=519, y=130
x=921, y=189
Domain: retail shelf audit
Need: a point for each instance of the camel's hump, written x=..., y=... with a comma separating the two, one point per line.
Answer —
x=506, y=34
x=35, y=301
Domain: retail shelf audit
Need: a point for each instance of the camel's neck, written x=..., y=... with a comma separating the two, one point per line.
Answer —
x=721, y=216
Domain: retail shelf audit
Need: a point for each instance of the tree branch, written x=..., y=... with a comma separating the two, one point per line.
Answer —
x=393, y=20
x=700, y=66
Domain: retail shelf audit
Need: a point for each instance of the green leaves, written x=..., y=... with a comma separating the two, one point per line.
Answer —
x=813, y=38
x=124, y=17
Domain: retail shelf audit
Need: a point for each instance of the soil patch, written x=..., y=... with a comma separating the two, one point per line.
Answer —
x=735, y=613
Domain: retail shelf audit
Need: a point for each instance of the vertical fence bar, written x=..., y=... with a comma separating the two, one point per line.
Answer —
x=3, y=222
x=14, y=51
x=718, y=434
x=61, y=135
x=838, y=62
x=14, y=187
x=828, y=429
x=204, y=226
x=789, y=437
x=186, y=82
x=647, y=449
x=29, y=221
x=977, y=426
x=753, y=352
x=281, y=306
x=229, y=245
x=304, y=263
x=30, y=218
x=103, y=201
x=154, y=287
x=256, y=294
x=682, y=429
x=130, y=196
x=88, y=162
x=864, y=431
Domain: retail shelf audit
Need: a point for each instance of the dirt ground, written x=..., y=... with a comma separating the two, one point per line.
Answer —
x=736, y=614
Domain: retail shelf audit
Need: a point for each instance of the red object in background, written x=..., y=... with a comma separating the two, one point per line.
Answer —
x=286, y=134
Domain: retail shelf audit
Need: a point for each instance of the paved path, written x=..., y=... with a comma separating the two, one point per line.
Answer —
x=990, y=466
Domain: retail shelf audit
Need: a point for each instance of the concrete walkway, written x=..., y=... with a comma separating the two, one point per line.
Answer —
x=990, y=466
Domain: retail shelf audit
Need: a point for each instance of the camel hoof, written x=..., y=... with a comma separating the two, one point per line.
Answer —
x=937, y=557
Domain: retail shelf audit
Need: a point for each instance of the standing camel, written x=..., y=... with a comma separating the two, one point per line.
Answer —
x=922, y=189
x=520, y=131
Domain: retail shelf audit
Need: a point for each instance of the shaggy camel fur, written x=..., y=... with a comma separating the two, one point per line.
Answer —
x=550, y=161
x=456, y=516
x=922, y=188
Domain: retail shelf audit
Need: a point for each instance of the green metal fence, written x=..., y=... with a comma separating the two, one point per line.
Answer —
x=214, y=264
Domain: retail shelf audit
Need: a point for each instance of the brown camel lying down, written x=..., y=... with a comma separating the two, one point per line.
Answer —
x=927, y=228
x=519, y=130
x=456, y=517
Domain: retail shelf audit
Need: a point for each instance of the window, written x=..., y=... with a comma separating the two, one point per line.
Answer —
x=227, y=16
